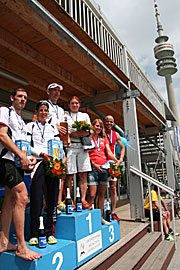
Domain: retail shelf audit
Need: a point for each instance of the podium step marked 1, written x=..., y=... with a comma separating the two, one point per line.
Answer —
x=80, y=237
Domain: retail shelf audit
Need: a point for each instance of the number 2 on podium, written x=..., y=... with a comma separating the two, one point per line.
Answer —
x=59, y=256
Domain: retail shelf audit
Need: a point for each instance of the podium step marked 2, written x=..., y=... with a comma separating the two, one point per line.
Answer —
x=59, y=256
x=80, y=237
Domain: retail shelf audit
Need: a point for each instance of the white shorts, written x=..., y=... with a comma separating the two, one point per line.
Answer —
x=77, y=159
x=113, y=179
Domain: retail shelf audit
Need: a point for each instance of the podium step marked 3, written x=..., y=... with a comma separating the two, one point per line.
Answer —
x=80, y=237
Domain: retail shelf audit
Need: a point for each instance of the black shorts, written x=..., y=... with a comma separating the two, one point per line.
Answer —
x=10, y=176
x=156, y=214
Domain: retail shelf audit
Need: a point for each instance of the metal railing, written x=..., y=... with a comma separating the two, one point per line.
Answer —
x=91, y=21
x=167, y=189
x=88, y=15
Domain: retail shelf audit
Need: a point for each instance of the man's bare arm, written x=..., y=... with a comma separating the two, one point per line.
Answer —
x=119, y=142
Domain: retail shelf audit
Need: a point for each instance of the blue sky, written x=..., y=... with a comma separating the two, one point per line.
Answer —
x=135, y=24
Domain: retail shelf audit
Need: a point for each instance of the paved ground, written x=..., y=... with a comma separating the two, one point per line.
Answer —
x=124, y=213
x=175, y=262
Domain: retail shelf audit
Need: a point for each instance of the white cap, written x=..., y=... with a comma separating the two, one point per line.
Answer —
x=54, y=85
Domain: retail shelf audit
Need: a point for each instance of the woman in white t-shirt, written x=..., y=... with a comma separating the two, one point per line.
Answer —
x=39, y=133
x=78, y=160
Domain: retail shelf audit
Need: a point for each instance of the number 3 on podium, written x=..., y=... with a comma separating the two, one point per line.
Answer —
x=111, y=230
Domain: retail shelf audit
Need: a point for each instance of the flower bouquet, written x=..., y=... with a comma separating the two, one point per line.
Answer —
x=82, y=125
x=114, y=171
x=86, y=141
x=56, y=168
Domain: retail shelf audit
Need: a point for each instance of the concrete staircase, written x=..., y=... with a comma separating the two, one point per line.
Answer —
x=139, y=249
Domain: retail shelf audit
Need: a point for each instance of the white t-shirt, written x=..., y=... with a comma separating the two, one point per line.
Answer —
x=16, y=125
x=55, y=115
x=38, y=132
x=72, y=117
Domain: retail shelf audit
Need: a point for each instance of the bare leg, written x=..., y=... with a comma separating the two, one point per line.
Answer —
x=164, y=220
x=20, y=196
x=113, y=196
x=68, y=182
x=83, y=185
x=168, y=220
x=101, y=191
x=6, y=218
x=97, y=199
x=61, y=190
x=91, y=194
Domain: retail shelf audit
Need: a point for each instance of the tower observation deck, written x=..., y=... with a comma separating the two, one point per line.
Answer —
x=166, y=63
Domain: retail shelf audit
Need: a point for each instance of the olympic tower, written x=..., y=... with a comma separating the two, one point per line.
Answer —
x=166, y=64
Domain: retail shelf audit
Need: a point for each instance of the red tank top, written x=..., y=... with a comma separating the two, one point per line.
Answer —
x=112, y=138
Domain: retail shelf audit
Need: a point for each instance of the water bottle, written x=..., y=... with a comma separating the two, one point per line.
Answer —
x=42, y=236
x=78, y=201
x=108, y=213
x=69, y=208
x=64, y=137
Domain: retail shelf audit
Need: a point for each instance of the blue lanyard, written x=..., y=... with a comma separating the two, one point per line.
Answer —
x=42, y=133
x=55, y=107
x=18, y=118
x=72, y=117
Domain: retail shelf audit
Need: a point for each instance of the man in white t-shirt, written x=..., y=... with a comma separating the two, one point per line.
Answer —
x=56, y=113
x=12, y=127
x=55, y=117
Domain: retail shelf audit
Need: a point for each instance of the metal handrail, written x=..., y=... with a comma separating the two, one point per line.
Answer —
x=152, y=180
x=160, y=185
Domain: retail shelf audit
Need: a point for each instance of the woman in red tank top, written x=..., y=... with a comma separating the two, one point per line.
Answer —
x=98, y=176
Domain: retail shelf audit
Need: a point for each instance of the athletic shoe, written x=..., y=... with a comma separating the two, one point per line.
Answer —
x=58, y=212
x=51, y=240
x=104, y=222
x=172, y=233
x=115, y=217
x=169, y=238
x=86, y=206
x=61, y=207
x=33, y=241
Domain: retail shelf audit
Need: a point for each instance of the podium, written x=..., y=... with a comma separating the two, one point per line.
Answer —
x=81, y=236
x=59, y=256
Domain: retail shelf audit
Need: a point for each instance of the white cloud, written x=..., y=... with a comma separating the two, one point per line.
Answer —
x=135, y=23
